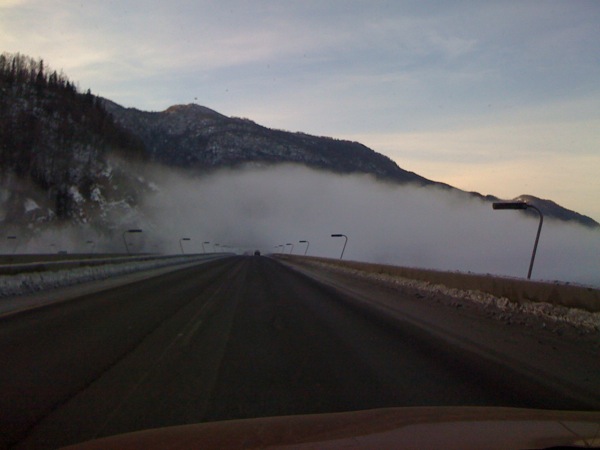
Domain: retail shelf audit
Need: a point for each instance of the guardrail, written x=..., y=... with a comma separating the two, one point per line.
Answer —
x=45, y=266
x=23, y=279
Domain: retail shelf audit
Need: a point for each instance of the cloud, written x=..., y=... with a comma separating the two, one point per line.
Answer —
x=417, y=227
x=6, y=4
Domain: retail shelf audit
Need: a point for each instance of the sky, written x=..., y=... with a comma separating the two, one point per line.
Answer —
x=499, y=97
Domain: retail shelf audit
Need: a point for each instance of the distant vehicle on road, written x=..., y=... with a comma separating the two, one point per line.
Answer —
x=256, y=252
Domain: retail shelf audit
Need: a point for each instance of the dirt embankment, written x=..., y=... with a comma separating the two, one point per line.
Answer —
x=552, y=305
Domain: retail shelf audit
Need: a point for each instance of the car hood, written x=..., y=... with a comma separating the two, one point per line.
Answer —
x=415, y=427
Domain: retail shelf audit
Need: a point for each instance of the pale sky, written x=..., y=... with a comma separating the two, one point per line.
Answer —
x=500, y=97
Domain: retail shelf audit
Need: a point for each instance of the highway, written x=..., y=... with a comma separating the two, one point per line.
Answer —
x=249, y=336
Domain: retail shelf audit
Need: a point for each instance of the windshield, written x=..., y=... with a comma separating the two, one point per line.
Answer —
x=264, y=209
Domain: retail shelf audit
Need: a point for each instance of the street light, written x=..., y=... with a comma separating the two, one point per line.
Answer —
x=345, y=242
x=292, y=249
x=13, y=238
x=136, y=230
x=523, y=205
x=93, y=244
x=205, y=242
x=181, y=245
x=307, y=245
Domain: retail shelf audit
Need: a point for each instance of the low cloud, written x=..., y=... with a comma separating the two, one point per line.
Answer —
x=417, y=227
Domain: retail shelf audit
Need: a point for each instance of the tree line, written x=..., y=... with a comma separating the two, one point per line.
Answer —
x=53, y=134
x=23, y=70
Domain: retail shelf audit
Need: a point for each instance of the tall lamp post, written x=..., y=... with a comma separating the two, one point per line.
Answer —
x=13, y=238
x=181, y=245
x=307, y=245
x=292, y=249
x=523, y=205
x=345, y=242
x=136, y=230
x=93, y=244
x=205, y=242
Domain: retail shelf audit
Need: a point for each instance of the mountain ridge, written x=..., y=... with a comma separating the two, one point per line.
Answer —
x=57, y=148
x=197, y=137
x=171, y=125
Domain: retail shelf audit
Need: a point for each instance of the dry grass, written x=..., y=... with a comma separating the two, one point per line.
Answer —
x=516, y=290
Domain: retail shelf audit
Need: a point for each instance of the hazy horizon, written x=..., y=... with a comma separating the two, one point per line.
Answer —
x=262, y=208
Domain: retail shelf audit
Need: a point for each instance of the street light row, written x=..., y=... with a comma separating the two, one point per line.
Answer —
x=92, y=243
x=516, y=205
x=181, y=240
x=308, y=245
x=15, y=239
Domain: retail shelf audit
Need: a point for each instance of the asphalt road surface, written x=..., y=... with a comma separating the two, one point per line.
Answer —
x=234, y=338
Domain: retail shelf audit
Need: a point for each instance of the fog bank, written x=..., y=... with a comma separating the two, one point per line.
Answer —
x=249, y=209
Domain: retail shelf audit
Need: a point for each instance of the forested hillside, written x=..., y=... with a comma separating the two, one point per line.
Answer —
x=57, y=139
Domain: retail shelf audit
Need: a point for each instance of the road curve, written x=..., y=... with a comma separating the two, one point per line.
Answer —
x=235, y=338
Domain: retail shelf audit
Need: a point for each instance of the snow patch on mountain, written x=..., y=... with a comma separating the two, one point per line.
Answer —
x=30, y=205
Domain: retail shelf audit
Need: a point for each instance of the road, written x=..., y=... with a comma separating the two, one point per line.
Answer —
x=235, y=338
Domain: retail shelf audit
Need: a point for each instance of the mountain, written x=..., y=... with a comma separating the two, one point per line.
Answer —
x=72, y=157
x=555, y=211
x=200, y=139
x=55, y=149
